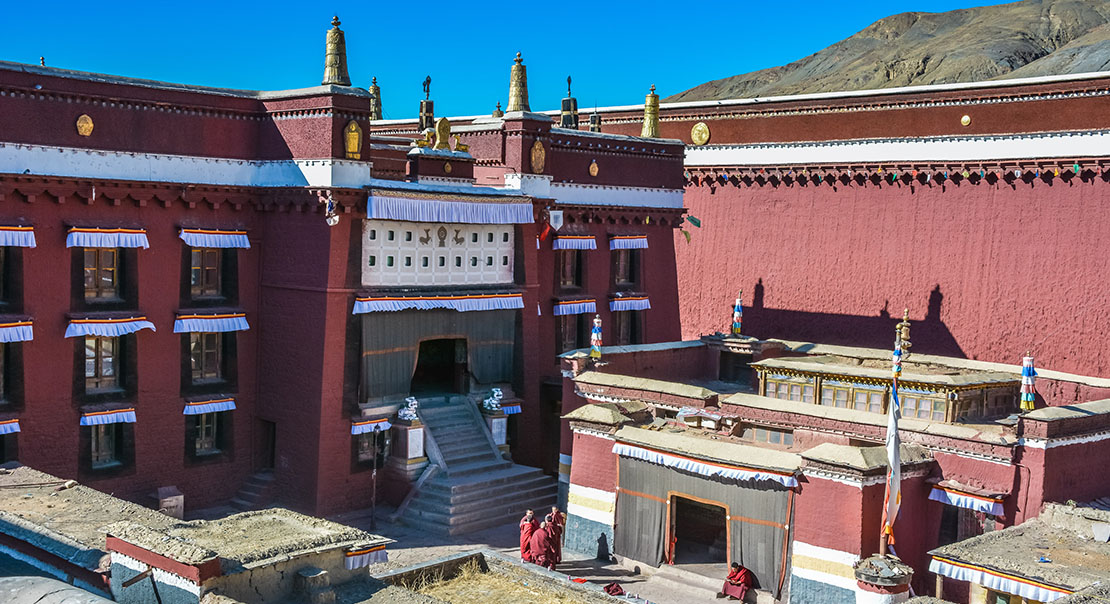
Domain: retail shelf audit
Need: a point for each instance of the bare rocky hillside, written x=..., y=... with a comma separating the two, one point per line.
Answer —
x=1021, y=39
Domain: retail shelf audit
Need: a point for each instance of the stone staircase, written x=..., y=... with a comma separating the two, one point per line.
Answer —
x=478, y=488
x=256, y=493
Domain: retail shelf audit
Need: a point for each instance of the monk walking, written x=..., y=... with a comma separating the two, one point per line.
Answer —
x=541, y=548
x=555, y=526
x=737, y=583
x=528, y=525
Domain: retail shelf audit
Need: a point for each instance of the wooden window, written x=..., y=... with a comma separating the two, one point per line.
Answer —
x=834, y=396
x=626, y=327
x=768, y=435
x=924, y=408
x=569, y=268
x=626, y=268
x=101, y=364
x=205, y=272
x=102, y=274
x=207, y=437
x=366, y=448
x=104, y=446
x=1000, y=405
x=570, y=328
x=807, y=394
x=868, y=400
x=206, y=353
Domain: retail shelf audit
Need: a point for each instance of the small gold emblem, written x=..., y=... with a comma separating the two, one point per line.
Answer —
x=593, y=167
x=447, y=167
x=538, y=157
x=352, y=140
x=966, y=120
x=699, y=133
x=84, y=125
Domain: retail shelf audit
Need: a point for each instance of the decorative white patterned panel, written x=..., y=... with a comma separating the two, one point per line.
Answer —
x=398, y=253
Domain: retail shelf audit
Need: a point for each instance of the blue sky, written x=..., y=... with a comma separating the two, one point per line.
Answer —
x=613, y=50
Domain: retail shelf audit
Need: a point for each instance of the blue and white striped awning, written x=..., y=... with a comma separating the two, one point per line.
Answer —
x=628, y=242
x=574, y=307
x=358, y=557
x=9, y=426
x=574, y=242
x=17, y=236
x=979, y=503
x=17, y=331
x=629, y=303
x=215, y=238
x=466, y=303
x=426, y=208
x=370, y=425
x=214, y=323
x=106, y=237
x=107, y=327
x=100, y=418
x=209, y=406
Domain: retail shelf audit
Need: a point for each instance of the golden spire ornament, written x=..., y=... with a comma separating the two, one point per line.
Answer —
x=375, y=99
x=335, y=57
x=518, y=86
x=651, y=115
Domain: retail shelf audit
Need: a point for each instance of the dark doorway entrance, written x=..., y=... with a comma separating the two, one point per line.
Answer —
x=265, y=445
x=440, y=367
x=700, y=535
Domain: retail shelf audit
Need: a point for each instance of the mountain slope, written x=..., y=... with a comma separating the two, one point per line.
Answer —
x=1028, y=38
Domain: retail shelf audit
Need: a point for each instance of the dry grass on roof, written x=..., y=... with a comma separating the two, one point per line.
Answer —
x=471, y=585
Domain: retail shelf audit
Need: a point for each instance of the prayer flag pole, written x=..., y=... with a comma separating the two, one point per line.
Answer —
x=893, y=498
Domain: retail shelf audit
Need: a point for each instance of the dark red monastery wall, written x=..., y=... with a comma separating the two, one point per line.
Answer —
x=987, y=271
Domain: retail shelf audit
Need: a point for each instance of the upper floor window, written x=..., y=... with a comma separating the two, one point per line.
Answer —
x=205, y=272
x=865, y=400
x=627, y=327
x=206, y=441
x=923, y=408
x=102, y=274
x=105, y=445
x=101, y=364
x=206, y=357
x=571, y=328
x=790, y=391
x=626, y=268
x=768, y=435
x=568, y=268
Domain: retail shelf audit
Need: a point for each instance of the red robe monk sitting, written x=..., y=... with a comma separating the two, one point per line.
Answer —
x=528, y=525
x=737, y=583
x=541, y=547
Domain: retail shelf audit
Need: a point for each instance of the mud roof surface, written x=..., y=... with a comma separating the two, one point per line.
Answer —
x=925, y=373
x=710, y=447
x=1076, y=562
x=1048, y=414
x=248, y=539
x=64, y=522
x=596, y=378
x=864, y=459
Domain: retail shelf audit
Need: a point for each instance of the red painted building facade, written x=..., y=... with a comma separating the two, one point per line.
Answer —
x=269, y=376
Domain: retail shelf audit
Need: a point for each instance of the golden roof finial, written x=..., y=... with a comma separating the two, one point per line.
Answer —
x=902, y=334
x=518, y=86
x=375, y=99
x=497, y=112
x=335, y=56
x=651, y=115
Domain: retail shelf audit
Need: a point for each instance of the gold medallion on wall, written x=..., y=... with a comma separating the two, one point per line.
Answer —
x=447, y=167
x=538, y=157
x=84, y=125
x=593, y=167
x=700, y=133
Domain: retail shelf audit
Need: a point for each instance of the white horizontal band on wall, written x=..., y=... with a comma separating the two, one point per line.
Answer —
x=456, y=303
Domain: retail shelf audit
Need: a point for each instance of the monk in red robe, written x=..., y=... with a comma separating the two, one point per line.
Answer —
x=528, y=526
x=541, y=547
x=555, y=526
x=737, y=583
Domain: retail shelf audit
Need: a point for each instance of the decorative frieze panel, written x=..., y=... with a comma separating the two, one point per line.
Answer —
x=396, y=253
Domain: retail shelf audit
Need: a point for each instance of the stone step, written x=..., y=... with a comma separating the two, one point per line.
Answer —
x=486, y=456
x=525, y=482
x=454, y=447
x=242, y=505
x=450, y=424
x=458, y=485
x=490, y=500
x=470, y=469
x=467, y=523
